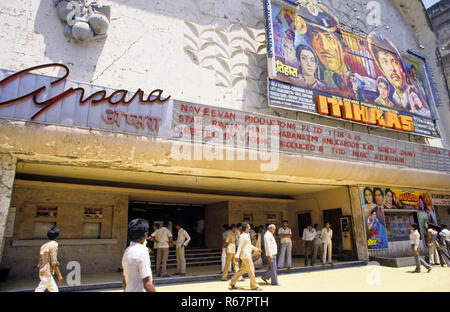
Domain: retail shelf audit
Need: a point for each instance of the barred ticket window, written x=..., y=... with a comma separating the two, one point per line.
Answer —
x=46, y=211
x=93, y=213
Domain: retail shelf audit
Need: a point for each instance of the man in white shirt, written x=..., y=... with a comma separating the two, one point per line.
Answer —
x=414, y=240
x=137, y=272
x=308, y=238
x=183, y=240
x=327, y=235
x=270, y=246
x=285, y=235
x=164, y=238
x=317, y=243
x=244, y=252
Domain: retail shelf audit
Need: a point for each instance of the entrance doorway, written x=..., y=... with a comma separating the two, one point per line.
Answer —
x=333, y=216
x=185, y=214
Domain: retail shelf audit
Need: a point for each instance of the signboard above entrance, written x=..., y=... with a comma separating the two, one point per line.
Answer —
x=311, y=57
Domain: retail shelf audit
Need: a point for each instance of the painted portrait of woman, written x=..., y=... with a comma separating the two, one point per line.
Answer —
x=368, y=201
x=377, y=231
x=308, y=62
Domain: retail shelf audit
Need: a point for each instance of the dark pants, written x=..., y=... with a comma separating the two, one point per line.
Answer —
x=309, y=252
x=272, y=271
x=419, y=260
x=443, y=255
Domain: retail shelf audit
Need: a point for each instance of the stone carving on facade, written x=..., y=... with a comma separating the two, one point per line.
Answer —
x=84, y=20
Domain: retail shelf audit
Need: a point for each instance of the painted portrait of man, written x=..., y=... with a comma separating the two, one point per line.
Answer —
x=391, y=64
x=323, y=34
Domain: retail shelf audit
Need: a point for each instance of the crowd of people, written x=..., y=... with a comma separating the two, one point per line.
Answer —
x=245, y=247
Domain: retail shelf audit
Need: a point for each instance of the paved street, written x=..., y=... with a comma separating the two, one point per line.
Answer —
x=365, y=278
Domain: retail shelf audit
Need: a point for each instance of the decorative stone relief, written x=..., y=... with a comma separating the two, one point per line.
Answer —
x=84, y=20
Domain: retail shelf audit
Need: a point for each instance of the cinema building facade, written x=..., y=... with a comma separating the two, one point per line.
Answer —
x=181, y=112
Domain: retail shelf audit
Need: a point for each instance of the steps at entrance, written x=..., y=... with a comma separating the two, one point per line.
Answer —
x=194, y=257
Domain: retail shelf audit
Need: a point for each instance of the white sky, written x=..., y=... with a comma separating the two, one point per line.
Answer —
x=429, y=3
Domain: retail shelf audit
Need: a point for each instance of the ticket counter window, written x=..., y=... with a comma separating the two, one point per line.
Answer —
x=397, y=225
x=40, y=229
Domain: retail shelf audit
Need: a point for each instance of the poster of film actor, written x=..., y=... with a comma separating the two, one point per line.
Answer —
x=377, y=201
x=310, y=54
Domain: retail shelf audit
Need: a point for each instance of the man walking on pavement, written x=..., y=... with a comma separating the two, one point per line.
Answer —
x=230, y=247
x=285, y=235
x=270, y=246
x=244, y=252
x=183, y=240
x=137, y=271
x=48, y=263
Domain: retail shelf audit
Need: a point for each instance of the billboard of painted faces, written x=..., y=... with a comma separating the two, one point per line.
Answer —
x=377, y=200
x=312, y=51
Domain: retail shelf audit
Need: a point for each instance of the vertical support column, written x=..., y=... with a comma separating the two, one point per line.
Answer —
x=7, y=174
x=359, y=229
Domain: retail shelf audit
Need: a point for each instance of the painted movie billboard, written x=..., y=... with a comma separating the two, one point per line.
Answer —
x=381, y=225
x=365, y=78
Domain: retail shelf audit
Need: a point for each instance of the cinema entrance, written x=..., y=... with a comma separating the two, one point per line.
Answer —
x=190, y=217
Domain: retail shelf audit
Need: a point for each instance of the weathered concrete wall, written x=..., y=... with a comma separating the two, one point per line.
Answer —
x=258, y=210
x=22, y=255
x=221, y=43
x=315, y=203
x=7, y=173
x=359, y=228
x=216, y=215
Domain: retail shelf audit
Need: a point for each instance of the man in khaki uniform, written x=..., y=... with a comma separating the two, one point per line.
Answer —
x=245, y=253
x=48, y=263
x=230, y=245
x=183, y=240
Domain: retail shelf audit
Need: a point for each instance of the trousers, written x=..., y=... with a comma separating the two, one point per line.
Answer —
x=285, y=253
x=47, y=282
x=161, y=261
x=272, y=271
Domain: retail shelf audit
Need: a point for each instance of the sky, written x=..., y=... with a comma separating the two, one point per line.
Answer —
x=429, y=3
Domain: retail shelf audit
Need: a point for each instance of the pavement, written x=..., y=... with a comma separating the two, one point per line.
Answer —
x=113, y=280
x=349, y=279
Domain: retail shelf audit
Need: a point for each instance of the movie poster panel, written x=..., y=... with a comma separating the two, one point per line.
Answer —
x=376, y=201
x=312, y=52
x=373, y=205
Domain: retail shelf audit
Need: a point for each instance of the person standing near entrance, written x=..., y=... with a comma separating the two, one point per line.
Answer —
x=164, y=238
x=137, y=271
x=327, y=248
x=183, y=240
x=230, y=247
x=244, y=252
x=48, y=263
x=317, y=244
x=271, y=249
x=155, y=227
x=308, y=238
x=285, y=235
x=224, y=252
x=200, y=227
x=414, y=240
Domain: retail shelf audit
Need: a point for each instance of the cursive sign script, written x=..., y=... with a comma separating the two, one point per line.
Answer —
x=115, y=98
